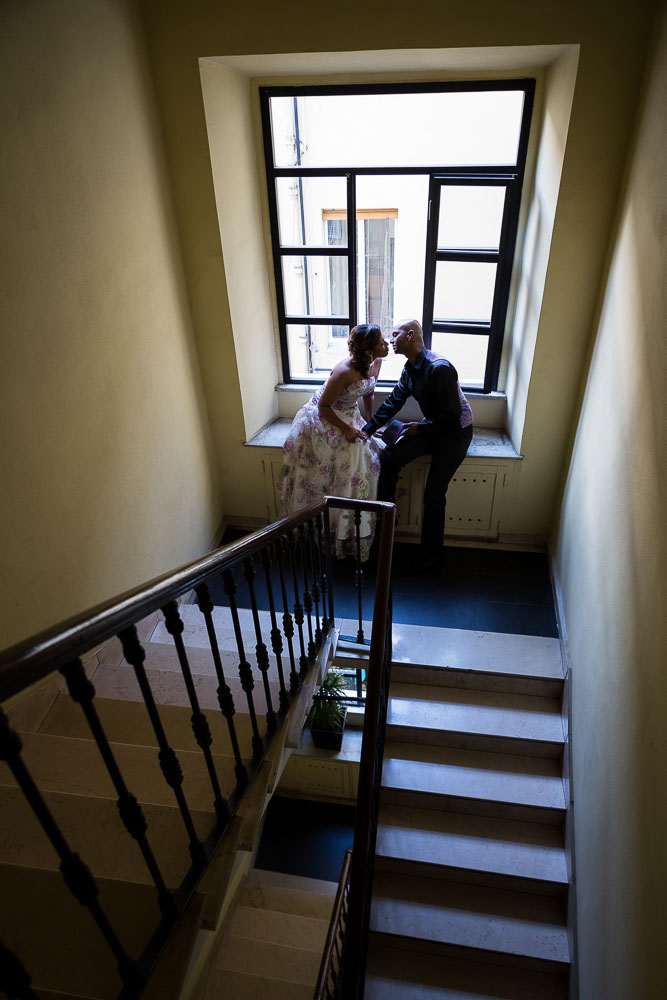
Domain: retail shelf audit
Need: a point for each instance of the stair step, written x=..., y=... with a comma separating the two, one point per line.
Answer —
x=280, y=928
x=471, y=921
x=39, y=910
x=476, y=719
x=93, y=828
x=67, y=764
x=434, y=777
x=400, y=974
x=481, y=680
x=482, y=652
x=487, y=849
x=128, y=722
x=290, y=894
x=271, y=961
x=168, y=686
x=244, y=986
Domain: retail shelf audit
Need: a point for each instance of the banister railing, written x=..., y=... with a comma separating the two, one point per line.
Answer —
x=294, y=557
x=329, y=979
x=342, y=971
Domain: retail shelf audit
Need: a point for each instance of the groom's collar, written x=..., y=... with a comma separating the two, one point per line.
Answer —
x=419, y=360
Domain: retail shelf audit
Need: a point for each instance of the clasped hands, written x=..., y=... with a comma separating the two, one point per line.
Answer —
x=352, y=434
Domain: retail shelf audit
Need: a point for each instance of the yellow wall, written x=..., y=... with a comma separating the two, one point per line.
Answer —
x=611, y=53
x=612, y=556
x=108, y=476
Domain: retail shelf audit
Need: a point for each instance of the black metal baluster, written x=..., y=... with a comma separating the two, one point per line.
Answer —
x=245, y=670
x=200, y=726
x=82, y=691
x=359, y=574
x=307, y=600
x=288, y=623
x=225, y=696
x=14, y=979
x=310, y=532
x=135, y=655
x=261, y=651
x=324, y=583
x=329, y=564
x=276, y=634
x=298, y=610
x=77, y=875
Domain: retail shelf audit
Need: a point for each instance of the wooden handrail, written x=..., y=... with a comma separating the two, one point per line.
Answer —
x=33, y=659
x=335, y=928
x=365, y=827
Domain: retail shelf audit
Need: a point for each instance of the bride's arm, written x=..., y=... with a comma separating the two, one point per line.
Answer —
x=337, y=381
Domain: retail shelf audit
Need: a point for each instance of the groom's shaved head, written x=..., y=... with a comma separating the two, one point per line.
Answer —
x=411, y=326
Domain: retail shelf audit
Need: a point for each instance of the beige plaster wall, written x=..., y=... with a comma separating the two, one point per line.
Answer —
x=612, y=47
x=108, y=475
x=232, y=142
x=612, y=554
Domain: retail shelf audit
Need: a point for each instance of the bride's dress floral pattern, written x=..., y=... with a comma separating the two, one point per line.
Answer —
x=318, y=461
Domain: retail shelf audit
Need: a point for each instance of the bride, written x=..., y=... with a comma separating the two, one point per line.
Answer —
x=327, y=453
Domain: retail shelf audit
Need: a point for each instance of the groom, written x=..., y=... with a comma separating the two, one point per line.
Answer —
x=445, y=433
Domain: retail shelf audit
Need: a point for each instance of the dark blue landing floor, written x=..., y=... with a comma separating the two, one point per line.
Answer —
x=307, y=838
x=487, y=590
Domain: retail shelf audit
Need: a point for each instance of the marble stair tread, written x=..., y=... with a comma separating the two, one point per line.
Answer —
x=290, y=894
x=67, y=764
x=467, y=919
x=474, y=776
x=195, y=633
x=279, y=928
x=93, y=828
x=487, y=680
x=399, y=974
x=244, y=986
x=289, y=964
x=163, y=656
x=461, y=842
x=40, y=909
x=463, y=649
x=431, y=710
x=168, y=687
x=128, y=722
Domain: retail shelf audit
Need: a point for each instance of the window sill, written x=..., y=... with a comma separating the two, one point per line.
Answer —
x=487, y=442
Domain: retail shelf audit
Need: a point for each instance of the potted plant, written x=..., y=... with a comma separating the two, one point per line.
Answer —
x=327, y=715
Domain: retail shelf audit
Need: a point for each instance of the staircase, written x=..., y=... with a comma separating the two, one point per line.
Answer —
x=471, y=884
x=40, y=920
x=273, y=945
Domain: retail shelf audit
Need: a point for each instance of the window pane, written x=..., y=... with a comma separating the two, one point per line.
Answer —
x=392, y=215
x=308, y=208
x=464, y=291
x=438, y=129
x=314, y=350
x=470, y=217
x=466, y=352
x=315, y=286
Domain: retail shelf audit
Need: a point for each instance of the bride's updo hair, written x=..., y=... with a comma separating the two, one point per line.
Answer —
x=361, y=343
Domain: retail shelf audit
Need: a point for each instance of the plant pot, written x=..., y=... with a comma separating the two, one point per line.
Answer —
x=329, y=739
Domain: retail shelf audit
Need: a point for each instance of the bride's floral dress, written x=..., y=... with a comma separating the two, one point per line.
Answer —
x=318, y=461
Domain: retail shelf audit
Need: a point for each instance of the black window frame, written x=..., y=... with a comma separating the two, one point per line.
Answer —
x=511, y=176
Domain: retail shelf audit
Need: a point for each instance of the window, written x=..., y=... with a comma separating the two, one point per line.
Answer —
x=449, y=161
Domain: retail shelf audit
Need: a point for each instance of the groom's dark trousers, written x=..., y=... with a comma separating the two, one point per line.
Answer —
x=447, y=451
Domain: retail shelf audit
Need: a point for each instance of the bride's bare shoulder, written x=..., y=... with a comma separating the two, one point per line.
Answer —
x=344, y=371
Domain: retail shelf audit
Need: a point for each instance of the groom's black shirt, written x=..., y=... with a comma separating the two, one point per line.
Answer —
x=434, y=383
